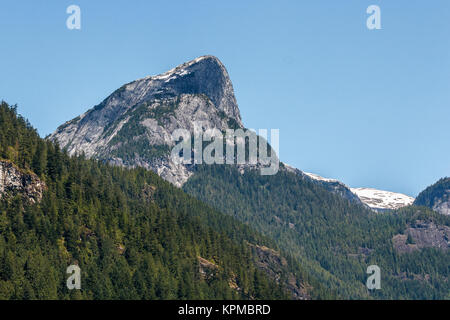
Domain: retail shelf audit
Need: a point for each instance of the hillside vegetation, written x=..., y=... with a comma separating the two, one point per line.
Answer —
x=133, y=235
x=333, y=238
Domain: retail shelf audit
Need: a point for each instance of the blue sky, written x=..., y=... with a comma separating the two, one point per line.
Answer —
x=368, y=107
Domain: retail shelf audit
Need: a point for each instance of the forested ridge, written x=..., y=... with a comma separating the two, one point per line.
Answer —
x=334, y=239
x=133, y=235
x=435, y=192
x=136, y=236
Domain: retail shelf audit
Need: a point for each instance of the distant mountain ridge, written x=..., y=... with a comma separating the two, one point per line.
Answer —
x=377, y=200
x=436, y=197
x=331, y=185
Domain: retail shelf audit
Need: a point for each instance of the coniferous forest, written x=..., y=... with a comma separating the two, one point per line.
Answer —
x=334, y=239
x=133, y=235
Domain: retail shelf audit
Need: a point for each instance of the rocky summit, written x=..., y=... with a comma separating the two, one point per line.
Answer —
x=133, y=126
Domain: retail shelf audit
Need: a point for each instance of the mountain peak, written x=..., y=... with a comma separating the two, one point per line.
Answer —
x=133, y=126
x=203, y=75
x=189, y=64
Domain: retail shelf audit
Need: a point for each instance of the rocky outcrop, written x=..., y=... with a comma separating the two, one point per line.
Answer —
x=274, y=265
x=421, y=235
x=443, y=207
x=133, y=126
x=14, y=181
x=206, y=268
x=436, y=197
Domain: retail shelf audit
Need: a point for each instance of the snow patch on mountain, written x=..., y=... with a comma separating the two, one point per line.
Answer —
x=378, y=200
x=178, y=71
x=382, y=200
x=319, y=178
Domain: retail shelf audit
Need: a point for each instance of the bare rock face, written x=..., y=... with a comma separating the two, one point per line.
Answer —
x=13, y=181
x=442, y=206
x=133, y=126
x=422, y=235
x=206, y=268
x=273, y=264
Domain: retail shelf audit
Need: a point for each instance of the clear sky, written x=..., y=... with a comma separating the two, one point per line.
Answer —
x=368, y=107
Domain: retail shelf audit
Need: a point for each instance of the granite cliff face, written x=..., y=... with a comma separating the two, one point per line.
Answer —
x=133, y=126
x=13, y=181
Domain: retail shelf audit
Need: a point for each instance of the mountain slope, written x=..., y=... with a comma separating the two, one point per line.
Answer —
x=323, y=224
x=133, y=235
x=334, y=239
x=436, y=197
